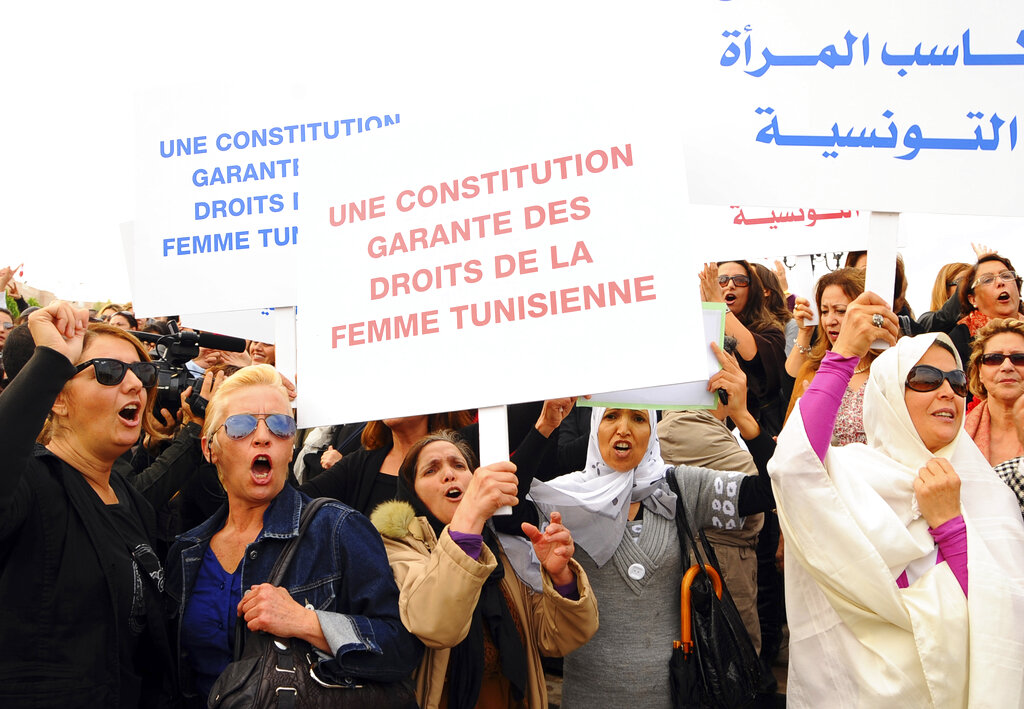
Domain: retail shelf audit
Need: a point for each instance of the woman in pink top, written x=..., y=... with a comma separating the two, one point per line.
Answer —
x=905, y=554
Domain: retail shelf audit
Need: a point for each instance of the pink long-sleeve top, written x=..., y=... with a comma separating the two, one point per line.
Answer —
x=818, y=408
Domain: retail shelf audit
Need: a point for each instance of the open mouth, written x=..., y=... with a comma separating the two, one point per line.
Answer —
x=453, y=493
x=623, y=447
x=945, y=414
x=730, y=298
x=261, y=468
x=1003, y=297
x=129, y=413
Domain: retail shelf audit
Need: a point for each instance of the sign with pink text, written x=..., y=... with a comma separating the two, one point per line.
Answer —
x=509, y=243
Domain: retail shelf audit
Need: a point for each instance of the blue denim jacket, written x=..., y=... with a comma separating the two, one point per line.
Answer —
x=340, y=570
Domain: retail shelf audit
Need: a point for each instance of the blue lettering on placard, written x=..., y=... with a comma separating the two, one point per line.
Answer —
x=297, y=133
x=206, y=243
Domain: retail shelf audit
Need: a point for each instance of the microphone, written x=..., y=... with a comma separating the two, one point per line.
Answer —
x=210, y=340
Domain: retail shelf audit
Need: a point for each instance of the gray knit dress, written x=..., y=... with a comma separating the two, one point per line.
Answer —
x=625, y=664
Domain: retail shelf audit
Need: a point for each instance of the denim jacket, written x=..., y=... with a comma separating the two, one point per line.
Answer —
x=340, y=570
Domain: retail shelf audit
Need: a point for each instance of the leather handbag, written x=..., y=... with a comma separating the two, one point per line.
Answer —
x=269, y=671
x=713, y=664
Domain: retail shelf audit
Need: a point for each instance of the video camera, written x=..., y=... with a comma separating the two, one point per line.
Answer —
x=173, y=377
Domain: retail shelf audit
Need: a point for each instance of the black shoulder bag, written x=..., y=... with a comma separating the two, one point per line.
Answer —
x=713, y=664
x=269, y=671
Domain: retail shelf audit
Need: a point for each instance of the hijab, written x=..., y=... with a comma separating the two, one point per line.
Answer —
x=594, y=502
x=963, y=644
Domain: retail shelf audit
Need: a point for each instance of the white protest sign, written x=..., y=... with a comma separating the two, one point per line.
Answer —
x=249, y=324
x=685, y=395
x=221, y=171
x=528, y=244
x=218, y=199
x=875, y=105
x=760, y=232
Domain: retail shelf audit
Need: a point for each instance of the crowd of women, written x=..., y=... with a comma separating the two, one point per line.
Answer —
x=138, y=546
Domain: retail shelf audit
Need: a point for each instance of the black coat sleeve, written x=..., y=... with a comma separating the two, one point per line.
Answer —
x=756, y=490
x=24, y=405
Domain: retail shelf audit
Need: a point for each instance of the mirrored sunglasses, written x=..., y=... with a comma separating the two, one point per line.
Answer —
x=997, y=358
x=110, y=372
x=925, y=377
x=739, y=281
x=242, y=426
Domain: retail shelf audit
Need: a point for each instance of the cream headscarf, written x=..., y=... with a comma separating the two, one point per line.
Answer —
x=853, y=526
x=594, y=502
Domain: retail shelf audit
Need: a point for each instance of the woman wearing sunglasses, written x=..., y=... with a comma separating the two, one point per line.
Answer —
x=996, y=375
x=338, y=593
x=80, y=610
x=905, y=555
x=989, y=289
x=760, y=338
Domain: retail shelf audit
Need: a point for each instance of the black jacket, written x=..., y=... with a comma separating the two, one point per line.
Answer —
x=58, y=627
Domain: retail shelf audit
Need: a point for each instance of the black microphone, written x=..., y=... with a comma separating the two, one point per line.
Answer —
x=221, y=342
x=203, y=339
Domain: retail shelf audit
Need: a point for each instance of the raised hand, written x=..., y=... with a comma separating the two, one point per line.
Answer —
x=861, y=328
x=553, y=413
x=61, y=327
x=554, y=547
x=492, y=486
x=710, y=290
x=937, y=487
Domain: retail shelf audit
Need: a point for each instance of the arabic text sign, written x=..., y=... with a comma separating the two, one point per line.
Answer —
x=909, y=106
x=759, y=232
x=499, y=255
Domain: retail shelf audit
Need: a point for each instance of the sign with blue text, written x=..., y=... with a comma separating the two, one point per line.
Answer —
x=892, y=107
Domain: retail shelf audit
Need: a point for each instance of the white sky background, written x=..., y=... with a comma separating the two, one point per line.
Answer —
x=67, y=124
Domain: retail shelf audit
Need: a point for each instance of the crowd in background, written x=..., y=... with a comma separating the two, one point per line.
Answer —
x=136, y=532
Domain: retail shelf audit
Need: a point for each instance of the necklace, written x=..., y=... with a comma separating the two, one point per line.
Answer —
x=861, y=370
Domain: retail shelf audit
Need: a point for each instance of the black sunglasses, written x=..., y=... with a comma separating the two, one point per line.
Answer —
x=925, y=377
x=740, y=281
x=997, y=358
x=241, y=426
x=110, y=372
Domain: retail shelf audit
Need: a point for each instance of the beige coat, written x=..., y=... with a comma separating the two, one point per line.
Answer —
x=440, y=586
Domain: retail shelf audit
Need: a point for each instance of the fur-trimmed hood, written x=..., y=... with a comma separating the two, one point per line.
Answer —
x=393, y=518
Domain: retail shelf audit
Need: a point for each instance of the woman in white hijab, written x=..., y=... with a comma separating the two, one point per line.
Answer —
x=908, y=583
x=622, y=515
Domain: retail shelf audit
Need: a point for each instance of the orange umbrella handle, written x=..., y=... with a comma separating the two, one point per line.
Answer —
x=684, y=602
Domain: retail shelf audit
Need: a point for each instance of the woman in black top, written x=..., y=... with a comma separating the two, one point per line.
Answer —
x=80, y=614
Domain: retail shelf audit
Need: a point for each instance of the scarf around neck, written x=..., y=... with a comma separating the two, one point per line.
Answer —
x=594, y=502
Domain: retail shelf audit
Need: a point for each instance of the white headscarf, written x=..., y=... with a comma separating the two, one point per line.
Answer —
x=594, y=502
x=855, y=530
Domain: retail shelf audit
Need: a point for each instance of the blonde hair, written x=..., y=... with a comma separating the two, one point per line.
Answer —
x=939, y=291
x=251, y=376
x=996, y=326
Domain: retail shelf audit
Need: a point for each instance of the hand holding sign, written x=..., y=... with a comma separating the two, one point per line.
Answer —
x=861, y=328
x=734, y=405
